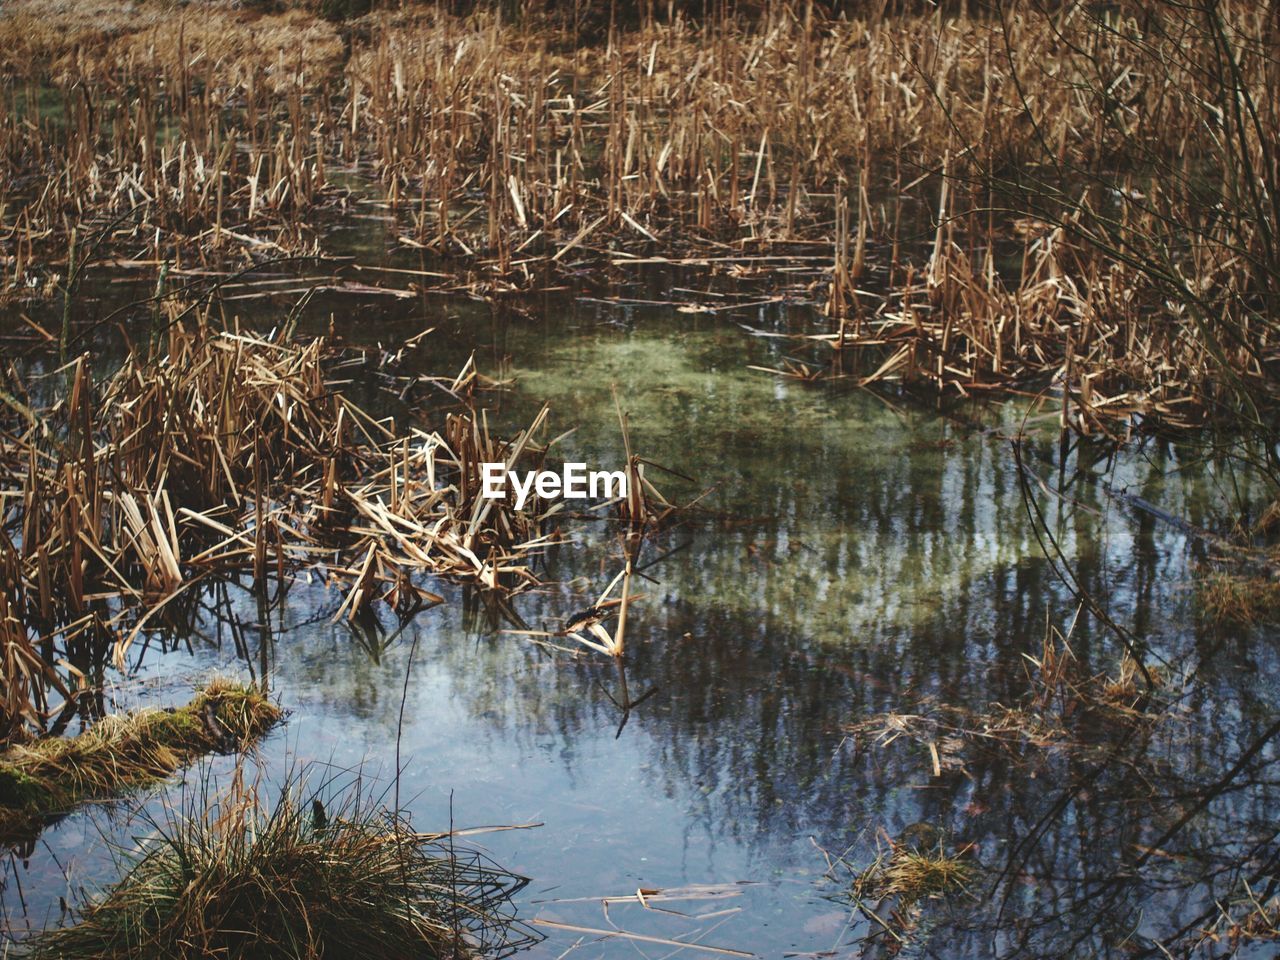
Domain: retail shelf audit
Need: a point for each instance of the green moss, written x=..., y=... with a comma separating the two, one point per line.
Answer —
x=174, y=727
x=19, y=790
x=121, y=752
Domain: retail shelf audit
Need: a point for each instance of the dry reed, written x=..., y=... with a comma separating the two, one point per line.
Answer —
x=1239, y=600
x=222, y=454
x=1097, y=209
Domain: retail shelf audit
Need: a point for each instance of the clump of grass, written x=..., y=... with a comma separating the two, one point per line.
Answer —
x=920, y=873
x=914, y=867
x=235, y=879
x=47, y=777
x=1241, y=601
x=1128, y=689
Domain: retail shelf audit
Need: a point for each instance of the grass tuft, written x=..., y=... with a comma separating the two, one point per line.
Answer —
x=50, y=776
x=916, y=873
x=915, y=867
x=302, y=879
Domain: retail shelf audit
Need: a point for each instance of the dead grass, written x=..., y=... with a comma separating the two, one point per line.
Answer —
x=921, y=874
x=282, y=51
x=1059, y=710
x=40, y=33
x=894, y=889
x=1052, y=160
x=62, y=37
x=1242, y=921
x=1242, y=601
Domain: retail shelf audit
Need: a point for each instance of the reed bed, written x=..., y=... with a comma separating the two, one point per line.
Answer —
x=222, y=454
x=312, y=875
x=121, y=752
x=1014, y=197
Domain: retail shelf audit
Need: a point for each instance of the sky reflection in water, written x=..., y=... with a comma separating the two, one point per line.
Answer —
x=856, y=556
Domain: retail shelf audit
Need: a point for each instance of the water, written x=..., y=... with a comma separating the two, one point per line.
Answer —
x=855, y=555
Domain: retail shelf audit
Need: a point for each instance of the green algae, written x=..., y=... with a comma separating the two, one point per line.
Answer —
x=49, y=777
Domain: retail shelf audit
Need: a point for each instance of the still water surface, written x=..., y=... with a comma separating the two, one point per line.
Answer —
x=855, y=555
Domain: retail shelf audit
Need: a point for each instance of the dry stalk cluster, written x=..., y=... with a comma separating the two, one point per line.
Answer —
x=225, y=454
x=1101, y=180
x=1059, y=713
x=1111, y=360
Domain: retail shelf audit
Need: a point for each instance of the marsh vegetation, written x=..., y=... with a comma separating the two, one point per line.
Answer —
x=937, y=345
x=318, y=871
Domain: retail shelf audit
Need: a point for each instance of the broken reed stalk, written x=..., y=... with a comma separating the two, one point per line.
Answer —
x=637, y=513
x=49, y=777
x=321, y=872
x=222, y=453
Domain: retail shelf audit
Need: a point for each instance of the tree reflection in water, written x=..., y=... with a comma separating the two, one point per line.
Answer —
x=855, y=560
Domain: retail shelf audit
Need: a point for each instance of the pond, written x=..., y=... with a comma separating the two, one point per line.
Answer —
x=852, y=555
